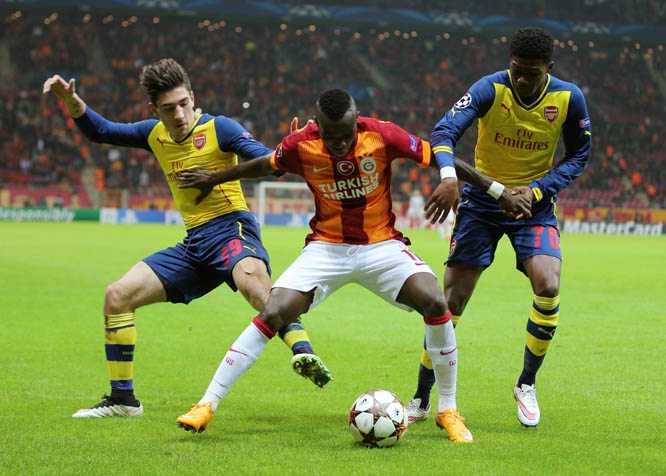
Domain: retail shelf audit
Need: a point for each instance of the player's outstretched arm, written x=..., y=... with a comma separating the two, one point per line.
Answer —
x=66, y=91
x=205, y=180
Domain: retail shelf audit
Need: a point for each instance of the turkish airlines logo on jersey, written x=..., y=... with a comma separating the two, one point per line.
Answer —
x=199, y=141
x=550, y=113
x=346, y=167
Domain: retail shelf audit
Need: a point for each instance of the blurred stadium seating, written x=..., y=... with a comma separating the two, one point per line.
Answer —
x=263, y=73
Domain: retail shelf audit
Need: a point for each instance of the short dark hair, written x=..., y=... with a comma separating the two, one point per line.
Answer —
x=162, y=76
x=532, y=43
x=334, y=103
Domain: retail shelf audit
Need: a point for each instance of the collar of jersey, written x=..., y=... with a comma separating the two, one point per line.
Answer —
x=196, y=123
x=537, y=100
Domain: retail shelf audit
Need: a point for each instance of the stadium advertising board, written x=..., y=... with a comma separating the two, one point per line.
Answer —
x=131, y=217
x=602, y=228
x=48, y=214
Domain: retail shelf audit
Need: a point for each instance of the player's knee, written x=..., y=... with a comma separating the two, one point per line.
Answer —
x=548, y=286
x=115, y=299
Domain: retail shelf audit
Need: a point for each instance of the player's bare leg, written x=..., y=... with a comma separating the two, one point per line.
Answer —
x=544, y=273
x=283, y=307
x=140, y=286
x=251, y=278
x=421, y=292
x=459, y=283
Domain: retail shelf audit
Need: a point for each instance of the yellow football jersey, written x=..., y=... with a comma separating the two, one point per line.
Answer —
x=517, y=141
x=214, y=143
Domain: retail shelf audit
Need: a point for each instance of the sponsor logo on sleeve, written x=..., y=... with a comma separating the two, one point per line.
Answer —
x=583, y=123
x=413, y=144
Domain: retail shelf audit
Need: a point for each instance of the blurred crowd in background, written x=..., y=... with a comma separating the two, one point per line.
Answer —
x=263, y=74
x=610, y=11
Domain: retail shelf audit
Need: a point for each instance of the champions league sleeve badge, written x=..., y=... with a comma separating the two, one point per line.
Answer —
x=464, y=101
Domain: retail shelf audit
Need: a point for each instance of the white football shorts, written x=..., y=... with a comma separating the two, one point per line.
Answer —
x=380, y=267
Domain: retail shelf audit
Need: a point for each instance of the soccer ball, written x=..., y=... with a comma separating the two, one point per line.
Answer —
x=378, y=418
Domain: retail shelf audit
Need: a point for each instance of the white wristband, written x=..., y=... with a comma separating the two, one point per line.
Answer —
x=447, y=172
x=495, y=190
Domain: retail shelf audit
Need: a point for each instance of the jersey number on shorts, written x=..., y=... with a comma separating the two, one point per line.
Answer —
x=417, y=261
x=232, y=249
x=552, y=237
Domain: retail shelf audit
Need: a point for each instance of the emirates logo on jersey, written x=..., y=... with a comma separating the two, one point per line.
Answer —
x=199, y=141
x=346, y=167
x=550, y=113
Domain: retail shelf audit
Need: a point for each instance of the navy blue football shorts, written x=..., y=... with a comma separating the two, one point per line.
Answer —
x=476, y=233
x=207, y=256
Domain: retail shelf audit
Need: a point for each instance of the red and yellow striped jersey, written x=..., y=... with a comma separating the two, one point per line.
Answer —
x=353, y=193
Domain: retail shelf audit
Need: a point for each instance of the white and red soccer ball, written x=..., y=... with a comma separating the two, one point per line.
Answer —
x=378, y=418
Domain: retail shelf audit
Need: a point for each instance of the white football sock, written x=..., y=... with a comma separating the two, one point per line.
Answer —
x=243, y=353
x=442, y=350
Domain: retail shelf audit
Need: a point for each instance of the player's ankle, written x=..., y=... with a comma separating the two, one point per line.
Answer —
x=122, y=396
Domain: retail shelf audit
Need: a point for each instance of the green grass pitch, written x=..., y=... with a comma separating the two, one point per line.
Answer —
x=602, y=389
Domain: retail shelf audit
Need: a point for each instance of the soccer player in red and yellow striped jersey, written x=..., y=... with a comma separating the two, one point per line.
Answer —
x=346, y=161
x=351, y=189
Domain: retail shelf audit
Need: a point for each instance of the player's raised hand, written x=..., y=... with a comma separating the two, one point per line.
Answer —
x=65, y=91
x=517, y=203
x=294, y=124
x=443, y=199
x=196, y=178
x=60, y=88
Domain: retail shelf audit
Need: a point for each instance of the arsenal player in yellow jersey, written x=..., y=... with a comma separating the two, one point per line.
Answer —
x=223, y=242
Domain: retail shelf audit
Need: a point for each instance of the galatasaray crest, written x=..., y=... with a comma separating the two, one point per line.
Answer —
x=368, y=165
x=199, y=140
x=550, y=113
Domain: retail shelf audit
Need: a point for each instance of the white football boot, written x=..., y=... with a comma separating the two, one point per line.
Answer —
x=415, y=413
x=109, y=408
x=528, y=408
